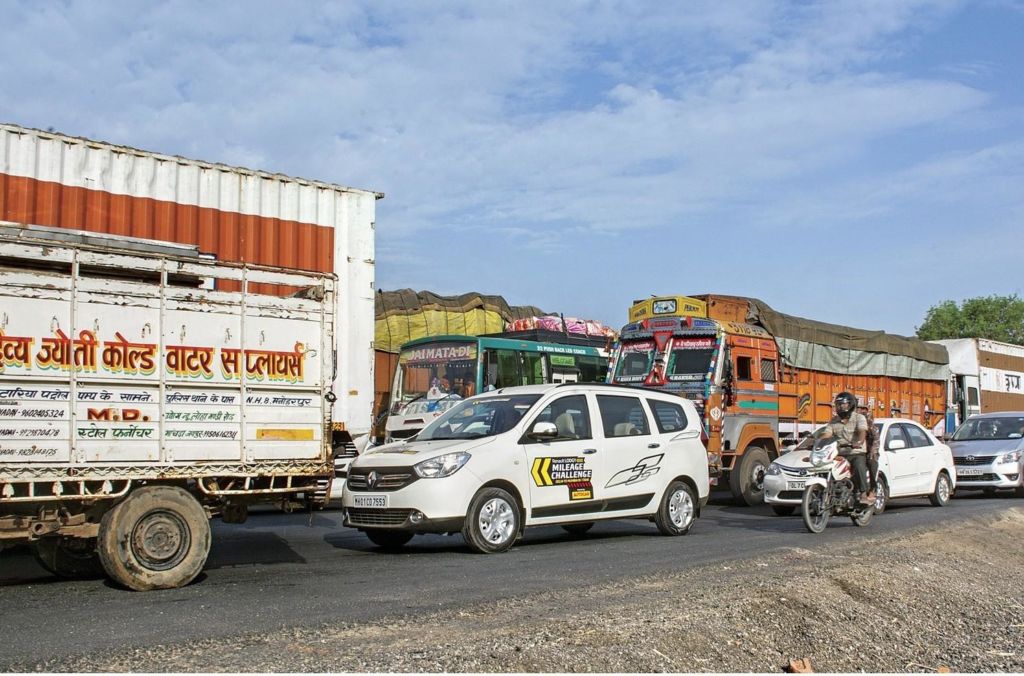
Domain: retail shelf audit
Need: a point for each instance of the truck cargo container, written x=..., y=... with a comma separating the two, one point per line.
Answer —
x=138, y=398
x=758, y=376
x=986, y=376
x=236, y=214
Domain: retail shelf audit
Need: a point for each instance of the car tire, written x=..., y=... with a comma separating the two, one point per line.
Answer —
x=492, y=522
x=678, y=509
x=784, y=510
x=157, y=538
x=578, y=528
x=68, y=558
x=881, y=495
x=391, y=540
x=943, y=491
x=747, y=479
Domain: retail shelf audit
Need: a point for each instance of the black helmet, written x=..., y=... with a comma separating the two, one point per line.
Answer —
x=845, y=404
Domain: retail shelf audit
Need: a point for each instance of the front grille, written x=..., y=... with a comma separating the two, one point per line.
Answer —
x=377, y=517
x=791, y=495
x=391, y=480
x=974, y=460
x=979, y=477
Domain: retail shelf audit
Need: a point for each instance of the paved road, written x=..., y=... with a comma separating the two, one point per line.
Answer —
x=279, y=570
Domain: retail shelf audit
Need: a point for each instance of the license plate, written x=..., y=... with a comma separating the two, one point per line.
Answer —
x=378, y=501
x=970, y=472
x=795, y=485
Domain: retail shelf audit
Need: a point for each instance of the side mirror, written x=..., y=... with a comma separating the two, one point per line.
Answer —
x=543, y=431
x=895, y=445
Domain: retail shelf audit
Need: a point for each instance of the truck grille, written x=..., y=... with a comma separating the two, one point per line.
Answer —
x=974, y=460
x=377, y=517
x=391, y=480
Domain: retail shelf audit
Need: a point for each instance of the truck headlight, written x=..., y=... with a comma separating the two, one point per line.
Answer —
x=441, y=466
x=1012, y=456
x=774, y=470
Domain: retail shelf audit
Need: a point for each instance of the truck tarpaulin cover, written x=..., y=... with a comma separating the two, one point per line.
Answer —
x=810, y=344
x=406, y=315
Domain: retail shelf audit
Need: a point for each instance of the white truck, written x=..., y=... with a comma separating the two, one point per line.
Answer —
x=141, y=395
x=986, y=377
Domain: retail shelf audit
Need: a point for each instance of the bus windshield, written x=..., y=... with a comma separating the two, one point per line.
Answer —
x=436, y=371
x=690, y=358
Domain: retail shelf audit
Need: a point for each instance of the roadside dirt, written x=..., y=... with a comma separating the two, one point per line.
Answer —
x=911, y=602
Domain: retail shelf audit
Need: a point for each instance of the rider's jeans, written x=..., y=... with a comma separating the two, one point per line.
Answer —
x=859, y=463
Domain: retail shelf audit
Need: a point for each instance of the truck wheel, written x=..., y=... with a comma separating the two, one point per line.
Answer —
x=157, y=538
x=677, y=511
x=492, y=523
x=391, y=540
x=746, y=479
x=68, y=558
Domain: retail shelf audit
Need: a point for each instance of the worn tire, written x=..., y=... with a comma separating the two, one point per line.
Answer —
x=815, y=521
x=68, y=558
x=678, y=509
x=881, y=495
x=784, y=510
x=157, y=538
x=943, y=491
x=578, y=528
x=492, y=522
x=746, y=480
x=391, y=540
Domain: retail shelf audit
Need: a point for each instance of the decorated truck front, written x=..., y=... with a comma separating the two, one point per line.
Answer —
x=760, y=378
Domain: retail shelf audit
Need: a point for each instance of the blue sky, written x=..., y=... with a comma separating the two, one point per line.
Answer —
x=854, y=162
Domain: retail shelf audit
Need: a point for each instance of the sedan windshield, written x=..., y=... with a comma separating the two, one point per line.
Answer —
x=990, y=428
x=476, y=418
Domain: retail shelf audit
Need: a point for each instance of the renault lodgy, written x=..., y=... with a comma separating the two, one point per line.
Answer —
x=568, y=455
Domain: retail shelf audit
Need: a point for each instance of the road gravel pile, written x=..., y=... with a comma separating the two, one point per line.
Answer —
x=921, y=601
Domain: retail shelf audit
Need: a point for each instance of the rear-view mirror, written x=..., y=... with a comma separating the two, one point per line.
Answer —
x=895, y=445
x=543, y=431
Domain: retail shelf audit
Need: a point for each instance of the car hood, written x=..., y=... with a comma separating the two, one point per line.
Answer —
x=983, y=447
x=404, y=453
x=794, y=460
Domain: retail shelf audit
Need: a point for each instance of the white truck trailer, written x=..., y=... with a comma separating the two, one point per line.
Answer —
x=987, y=376
x=145, y=389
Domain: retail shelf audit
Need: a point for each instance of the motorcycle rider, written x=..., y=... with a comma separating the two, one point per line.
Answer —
x=850, y=428
x=871, y=444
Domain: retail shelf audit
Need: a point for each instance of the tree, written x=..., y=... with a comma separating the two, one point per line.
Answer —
x=993, y=317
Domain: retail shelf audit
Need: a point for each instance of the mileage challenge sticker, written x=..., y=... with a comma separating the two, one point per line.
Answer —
x=568, y=471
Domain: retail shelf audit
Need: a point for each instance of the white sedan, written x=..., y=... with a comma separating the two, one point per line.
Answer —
x=911, y=463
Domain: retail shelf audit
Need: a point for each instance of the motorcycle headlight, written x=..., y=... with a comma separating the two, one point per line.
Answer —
x=1012, y=456
x=774, y=470
x=441, y=466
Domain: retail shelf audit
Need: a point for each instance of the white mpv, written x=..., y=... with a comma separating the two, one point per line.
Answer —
x=538, y=455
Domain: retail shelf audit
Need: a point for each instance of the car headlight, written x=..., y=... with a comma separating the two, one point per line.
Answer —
x=441, y=466
x=1012, y=456
x=774, y=470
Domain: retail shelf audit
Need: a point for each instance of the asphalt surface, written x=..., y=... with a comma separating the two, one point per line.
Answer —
x=281, y=571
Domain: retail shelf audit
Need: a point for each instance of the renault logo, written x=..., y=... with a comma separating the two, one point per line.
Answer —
x=371, y=479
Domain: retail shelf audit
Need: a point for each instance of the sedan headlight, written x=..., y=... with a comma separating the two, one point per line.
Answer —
x=1012, y=456
x=774, y=469
x=441, y=466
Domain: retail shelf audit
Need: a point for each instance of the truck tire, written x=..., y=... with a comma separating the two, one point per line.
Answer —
x=746, y=479
x=157, y=538
x=68, y=558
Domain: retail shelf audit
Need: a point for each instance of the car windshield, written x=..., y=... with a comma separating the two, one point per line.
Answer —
x=975, y=429
x=476, y=418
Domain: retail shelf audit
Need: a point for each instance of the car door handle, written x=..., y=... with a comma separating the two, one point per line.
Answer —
x=589, y=451
x=653, y=445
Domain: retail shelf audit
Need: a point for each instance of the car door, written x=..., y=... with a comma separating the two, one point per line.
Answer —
x=899, y=455
x=924, y=457
x=632, y=456
x=561, y=471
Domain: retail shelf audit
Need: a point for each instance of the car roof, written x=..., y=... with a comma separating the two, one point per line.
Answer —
x=601, y=387
x=1000, y=414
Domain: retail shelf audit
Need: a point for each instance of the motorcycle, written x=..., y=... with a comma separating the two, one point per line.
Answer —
x=830, y=490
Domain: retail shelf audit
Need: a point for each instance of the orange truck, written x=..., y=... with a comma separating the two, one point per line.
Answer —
x=761, y=378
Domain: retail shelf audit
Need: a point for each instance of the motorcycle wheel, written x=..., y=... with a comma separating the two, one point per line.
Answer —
x=815, y=515
x=862, y=517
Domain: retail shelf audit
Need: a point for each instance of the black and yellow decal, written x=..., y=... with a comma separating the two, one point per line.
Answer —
x=568, y=471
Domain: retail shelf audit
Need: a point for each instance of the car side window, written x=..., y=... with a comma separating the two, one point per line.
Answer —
x=917, y=437
x=894, y=434
x=668, y=417
x=570, y=415
x=622, y=416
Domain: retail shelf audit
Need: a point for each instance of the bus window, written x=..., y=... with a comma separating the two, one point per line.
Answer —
x=592, y=369
x=502, y=369
x=533, y=369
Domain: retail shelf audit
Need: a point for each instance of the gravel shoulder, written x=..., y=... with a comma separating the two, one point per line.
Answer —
x=946, y=597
